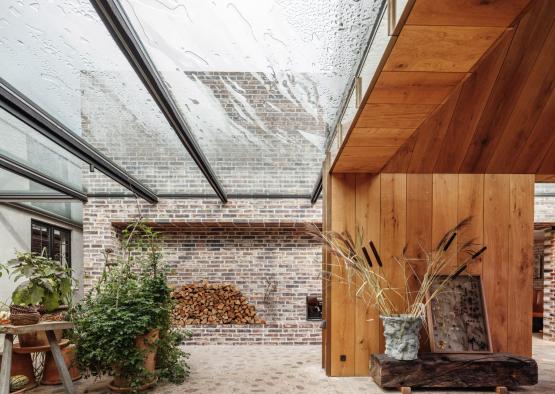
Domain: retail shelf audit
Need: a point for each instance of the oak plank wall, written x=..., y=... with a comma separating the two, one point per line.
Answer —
x=399, y=209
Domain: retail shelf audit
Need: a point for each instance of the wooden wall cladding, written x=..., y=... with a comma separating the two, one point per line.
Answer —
x=404, y=209
x=469, y=87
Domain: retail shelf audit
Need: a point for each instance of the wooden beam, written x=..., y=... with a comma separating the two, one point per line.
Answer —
x=440, y=48
x=492, y=13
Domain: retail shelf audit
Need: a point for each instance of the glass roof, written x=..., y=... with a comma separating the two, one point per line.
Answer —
x=68, y=210
x=259, y=83
x=26, y=146
x=11, y=183
x=63, y=58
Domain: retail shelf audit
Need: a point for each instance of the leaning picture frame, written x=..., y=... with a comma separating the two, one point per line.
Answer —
x=457, y=320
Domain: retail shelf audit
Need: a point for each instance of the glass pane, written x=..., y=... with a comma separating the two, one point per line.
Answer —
x=375, y=53
x=12, y=183
x=28, y=147
x=40, y=240
x=63, y=58
x=258, y=82
x=61, y=240
x=68, y=210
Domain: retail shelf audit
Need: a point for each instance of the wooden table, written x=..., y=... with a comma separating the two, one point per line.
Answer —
x=48, y=328
x=456, y=370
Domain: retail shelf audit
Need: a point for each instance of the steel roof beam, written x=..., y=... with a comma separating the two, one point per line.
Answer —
x=29, y=113
x=119, y=26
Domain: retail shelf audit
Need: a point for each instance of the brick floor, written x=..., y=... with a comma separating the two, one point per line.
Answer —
x=288, y=369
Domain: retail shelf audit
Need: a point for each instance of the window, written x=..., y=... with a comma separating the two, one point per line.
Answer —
x=54, y=241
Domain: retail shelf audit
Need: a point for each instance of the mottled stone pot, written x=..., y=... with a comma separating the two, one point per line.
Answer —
x=402, y=336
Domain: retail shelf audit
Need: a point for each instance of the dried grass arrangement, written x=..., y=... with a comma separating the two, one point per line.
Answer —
x=374, y=286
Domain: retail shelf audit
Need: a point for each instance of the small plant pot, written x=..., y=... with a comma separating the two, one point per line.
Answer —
x=144, y=343
x=402, y=336
x=24, y=319
x=51, y=374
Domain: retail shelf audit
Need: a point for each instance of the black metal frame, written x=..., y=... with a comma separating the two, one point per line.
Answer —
x=28, y=112
x=200, y=195
x=119, y=26
x=16, y=197
x=45, y=180
x=317, y=190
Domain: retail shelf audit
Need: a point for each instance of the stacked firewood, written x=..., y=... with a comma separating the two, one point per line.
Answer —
x=206, y=303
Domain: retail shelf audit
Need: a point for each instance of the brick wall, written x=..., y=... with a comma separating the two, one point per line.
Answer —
x=549, y=286
x=252, y=243
x=260, y=135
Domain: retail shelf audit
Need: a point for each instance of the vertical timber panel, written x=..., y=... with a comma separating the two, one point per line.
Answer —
x=367, y=317
x=471, y=205
x=419, y=230
x=393, y=229
x=495, y=265
x=521, y=264
x=326, y=211
x=343, y=304
x=445, y=212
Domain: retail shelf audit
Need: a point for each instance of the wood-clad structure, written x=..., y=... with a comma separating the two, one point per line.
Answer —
x=417, y=209
x=467, y=86
x=459, y=121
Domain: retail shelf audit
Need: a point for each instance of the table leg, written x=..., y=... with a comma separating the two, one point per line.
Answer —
x=6, y=368
x=60, y=363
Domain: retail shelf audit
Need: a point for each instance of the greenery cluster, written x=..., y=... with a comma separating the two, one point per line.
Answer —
x=131, y=299
x=48, y=281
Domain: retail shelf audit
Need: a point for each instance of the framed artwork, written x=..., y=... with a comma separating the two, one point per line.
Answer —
x=457, y=318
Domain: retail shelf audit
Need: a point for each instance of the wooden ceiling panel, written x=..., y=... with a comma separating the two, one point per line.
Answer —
x=474, y=95
x=364, y=158
x=495, y=13
x=440, y=48
x=539, y=142
x=414, y=87
x=378, y=137
x=472, y=90
x=403, y=116
x=530, y=104
x=430, y=136
x=527, y=43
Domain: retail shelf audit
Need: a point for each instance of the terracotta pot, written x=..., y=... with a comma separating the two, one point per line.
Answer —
x=22, y=364
x=36, y=339
x=145, y=343
x=51, y=375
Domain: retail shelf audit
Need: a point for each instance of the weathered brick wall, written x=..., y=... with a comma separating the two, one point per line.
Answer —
x=549, y=286
x=544, y=206
x=253, y=243
x=258, y=135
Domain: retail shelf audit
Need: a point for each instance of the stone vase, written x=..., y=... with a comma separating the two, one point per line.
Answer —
x=402, y=336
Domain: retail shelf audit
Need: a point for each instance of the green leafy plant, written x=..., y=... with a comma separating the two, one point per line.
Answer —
x=131, y=299
x=48, y=281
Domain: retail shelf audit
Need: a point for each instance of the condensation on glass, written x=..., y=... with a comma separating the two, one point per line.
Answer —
x=258, y=82
x=62, y=57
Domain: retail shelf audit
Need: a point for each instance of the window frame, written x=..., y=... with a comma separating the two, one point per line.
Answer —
x=50, y=230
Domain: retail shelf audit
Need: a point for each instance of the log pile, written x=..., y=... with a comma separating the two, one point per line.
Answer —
x=206, y=303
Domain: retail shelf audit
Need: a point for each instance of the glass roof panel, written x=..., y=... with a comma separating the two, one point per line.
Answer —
x=68, y=210
x=259, y=82
x=12, y=183
x=63, y=58
x=26, y=146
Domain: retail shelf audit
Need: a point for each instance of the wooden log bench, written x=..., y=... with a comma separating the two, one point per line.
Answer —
x=48, y=328
x=501, y=371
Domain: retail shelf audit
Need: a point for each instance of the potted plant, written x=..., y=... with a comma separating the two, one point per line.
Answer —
x=122, y=328
x=401, y=308
x=46, y=290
